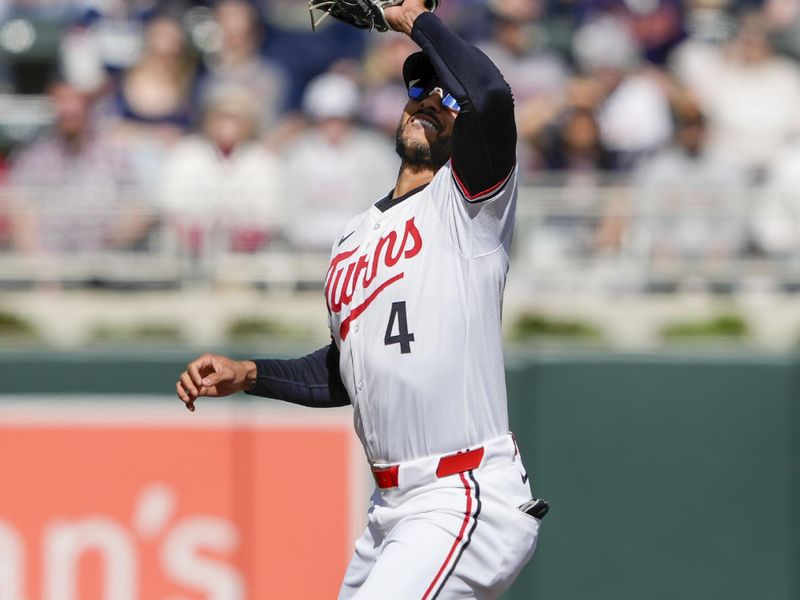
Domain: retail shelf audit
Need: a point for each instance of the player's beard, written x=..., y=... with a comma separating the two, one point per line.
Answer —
x=434, y=154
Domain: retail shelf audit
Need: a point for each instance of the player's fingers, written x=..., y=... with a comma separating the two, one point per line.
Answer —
x=189, y=386
x=393, y=16
x=214, y=378
x=194, y=369
x=185, y=398
x=181, y=394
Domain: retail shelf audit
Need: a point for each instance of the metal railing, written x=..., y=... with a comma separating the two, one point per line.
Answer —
x=567, y=238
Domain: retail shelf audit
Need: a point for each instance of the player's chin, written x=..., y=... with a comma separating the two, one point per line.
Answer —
x=429, y=139
x=415, y=147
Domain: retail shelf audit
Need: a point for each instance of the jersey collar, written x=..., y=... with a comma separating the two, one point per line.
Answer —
x=388, y=202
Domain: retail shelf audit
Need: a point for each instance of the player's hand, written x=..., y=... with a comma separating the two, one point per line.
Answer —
x=401, y=17
x=214, y=375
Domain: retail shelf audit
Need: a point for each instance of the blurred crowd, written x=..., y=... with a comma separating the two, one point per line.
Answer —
x=670, y=127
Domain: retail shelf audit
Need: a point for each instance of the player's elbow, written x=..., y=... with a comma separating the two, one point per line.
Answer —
x=495, y=98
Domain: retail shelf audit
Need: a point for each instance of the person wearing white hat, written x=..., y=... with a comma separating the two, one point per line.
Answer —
x=336, y=166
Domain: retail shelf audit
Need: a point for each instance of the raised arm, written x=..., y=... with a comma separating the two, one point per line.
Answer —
x=484, y=133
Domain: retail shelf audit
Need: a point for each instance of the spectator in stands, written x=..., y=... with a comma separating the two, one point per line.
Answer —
x=238, y=61
x=749, y=95
x=571, y=145
x=155, y=95
x=632, y=105
x=220, y=188
x=689, y=202
x=656, y=25
x=155, y=100
x=74, y=190
x=571, y=156
x=106, y=39
x=783, y=18
x=336, y=168
x=305, y=53
x=775, y=221
x=518, y=49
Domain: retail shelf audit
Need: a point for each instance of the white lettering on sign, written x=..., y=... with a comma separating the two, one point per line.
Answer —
x=66, y=542
x=12, y=563
x=192, y=552
x=182, y=557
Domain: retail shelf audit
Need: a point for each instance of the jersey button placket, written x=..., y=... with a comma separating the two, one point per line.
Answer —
x=356, y=348
x=359, y=345
x=370, y=237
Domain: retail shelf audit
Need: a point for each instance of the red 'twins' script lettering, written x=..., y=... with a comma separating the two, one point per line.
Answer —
x=347, y=274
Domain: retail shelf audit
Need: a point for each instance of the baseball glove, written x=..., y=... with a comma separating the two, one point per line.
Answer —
x=364, y=14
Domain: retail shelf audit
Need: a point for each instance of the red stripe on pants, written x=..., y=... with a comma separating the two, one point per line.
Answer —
x=458, y=539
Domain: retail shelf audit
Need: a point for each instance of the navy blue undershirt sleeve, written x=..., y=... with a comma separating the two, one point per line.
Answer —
x=313, y=380
x=484, y=133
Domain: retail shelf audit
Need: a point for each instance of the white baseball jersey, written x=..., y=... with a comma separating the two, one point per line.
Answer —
x=414, y=293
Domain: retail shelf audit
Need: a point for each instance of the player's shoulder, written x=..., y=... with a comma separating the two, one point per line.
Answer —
x=354, y=222
x=447, y=182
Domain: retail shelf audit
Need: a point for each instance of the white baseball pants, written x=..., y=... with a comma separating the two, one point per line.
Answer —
x=459, y=536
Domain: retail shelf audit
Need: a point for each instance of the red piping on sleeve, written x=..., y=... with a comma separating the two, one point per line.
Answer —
x=487, y=192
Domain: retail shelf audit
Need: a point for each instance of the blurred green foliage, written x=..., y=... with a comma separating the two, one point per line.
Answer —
x=253, y=328
x=536, y=326
x=141, y=332
x=12, y=325
x=727, y=326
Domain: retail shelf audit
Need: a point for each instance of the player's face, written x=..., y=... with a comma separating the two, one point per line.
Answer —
x=425, y=130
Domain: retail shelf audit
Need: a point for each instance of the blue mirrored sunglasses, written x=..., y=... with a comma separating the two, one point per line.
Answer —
x=417, y=92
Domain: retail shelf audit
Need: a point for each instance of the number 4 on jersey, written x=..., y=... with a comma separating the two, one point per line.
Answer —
x=403, y=337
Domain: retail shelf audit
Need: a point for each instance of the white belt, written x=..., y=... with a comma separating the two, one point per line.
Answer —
x=424, y=470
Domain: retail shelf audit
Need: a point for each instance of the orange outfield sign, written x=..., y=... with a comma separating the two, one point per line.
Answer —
x=144, y=501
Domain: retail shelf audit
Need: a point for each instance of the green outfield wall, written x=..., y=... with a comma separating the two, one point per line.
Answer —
x=670, y=476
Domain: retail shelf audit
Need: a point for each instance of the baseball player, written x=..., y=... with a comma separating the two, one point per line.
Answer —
x=414, y=294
